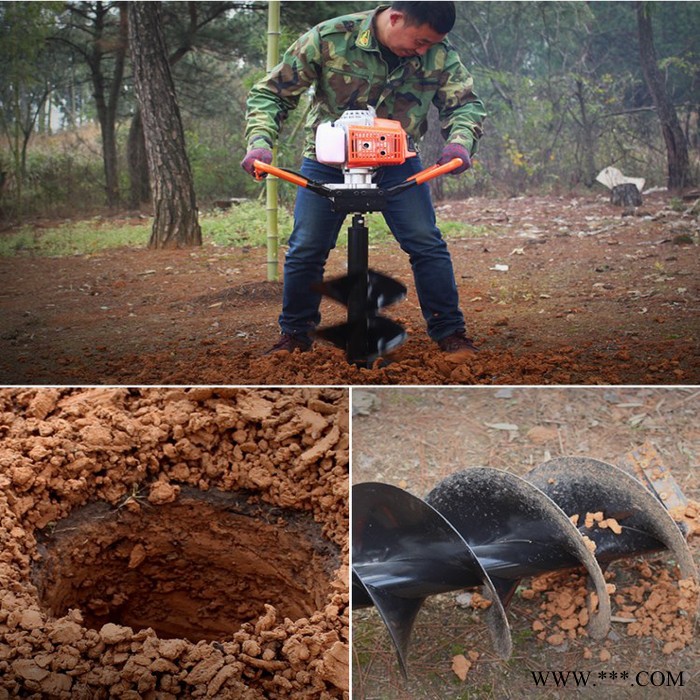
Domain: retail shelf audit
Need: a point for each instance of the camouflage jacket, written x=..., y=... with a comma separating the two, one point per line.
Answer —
x=341, y=59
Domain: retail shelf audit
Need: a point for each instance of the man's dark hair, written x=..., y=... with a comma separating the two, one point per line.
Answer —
x=439, y=16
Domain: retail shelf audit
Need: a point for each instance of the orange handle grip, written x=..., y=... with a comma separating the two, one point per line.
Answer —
x=435, y=171
x=295, y=179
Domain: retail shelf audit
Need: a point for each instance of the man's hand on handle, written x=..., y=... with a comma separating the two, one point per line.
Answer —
x=454, y=150
x=263, y=154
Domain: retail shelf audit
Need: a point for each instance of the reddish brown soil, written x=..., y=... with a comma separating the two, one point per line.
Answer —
x=209, y=563
x=174, y=543
x=590, y=296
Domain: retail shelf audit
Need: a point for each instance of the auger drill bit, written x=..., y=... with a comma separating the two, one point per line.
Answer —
x=489, y=528
x=366, y=335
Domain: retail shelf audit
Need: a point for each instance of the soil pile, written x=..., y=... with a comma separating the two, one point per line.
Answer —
x=174, y=543
x=649, y=600
x=419, y=363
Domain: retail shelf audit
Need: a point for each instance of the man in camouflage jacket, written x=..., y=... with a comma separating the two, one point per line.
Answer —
x=396, y=59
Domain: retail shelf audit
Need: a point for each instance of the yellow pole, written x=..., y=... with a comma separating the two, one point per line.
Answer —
x=271, y=183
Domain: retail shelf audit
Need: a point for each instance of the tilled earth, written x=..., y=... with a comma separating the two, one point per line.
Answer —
x=175, y=543
x=591, y=296
x=414, y=438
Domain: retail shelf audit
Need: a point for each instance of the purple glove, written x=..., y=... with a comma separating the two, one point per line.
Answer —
x=263, y=154
x=454, y=150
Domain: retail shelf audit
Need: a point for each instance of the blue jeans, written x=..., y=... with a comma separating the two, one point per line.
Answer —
x=411, y=219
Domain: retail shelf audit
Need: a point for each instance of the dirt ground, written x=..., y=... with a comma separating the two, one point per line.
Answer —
x=174, y=543
x=415, y=437
x=590, y=296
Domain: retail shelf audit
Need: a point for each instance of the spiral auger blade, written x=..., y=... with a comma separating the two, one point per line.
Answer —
x=490, y=528
x=403, y=550
x=382, y=337
x=382, y=290
x=366, y=335
x=516, y=530
x=581, y=485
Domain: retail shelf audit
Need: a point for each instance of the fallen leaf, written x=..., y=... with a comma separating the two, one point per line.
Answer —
x=502, y=426
x=636, y=420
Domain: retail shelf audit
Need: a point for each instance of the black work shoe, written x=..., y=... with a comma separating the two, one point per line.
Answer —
x=289, y=342
x=457, y=344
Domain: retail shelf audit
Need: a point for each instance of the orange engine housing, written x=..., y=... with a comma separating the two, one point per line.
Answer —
x=383, y=143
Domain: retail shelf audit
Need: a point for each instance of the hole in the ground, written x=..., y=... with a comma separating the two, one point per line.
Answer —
x=195, y=569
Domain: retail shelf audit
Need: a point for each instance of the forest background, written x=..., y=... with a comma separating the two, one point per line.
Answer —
x=563, y=82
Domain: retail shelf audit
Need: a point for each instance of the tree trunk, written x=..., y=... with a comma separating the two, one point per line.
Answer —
x=136, y=154
x=175, y=221
x=139, y=185
x=109, y=155
x=106, y=101
x=676, y=147
x=587, y=138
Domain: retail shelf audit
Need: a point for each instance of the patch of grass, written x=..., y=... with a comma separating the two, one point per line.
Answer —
x=459, y=229
x=245, y=224
x=676, y=204
x=456, y=649
x=14, y=244
x=75, y=238
x=379, y=232
x=242, y=225
x=521, y=636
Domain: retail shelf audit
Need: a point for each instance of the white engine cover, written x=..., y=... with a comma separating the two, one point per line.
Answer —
x=330, y=144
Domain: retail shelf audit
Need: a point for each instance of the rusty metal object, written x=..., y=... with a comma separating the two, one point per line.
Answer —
x=645, y=463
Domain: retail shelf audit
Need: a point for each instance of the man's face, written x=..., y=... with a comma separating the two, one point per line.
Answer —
x=409, y=39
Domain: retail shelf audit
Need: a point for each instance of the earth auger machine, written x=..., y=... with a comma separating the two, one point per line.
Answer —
x=487, y=528
x=358, y=143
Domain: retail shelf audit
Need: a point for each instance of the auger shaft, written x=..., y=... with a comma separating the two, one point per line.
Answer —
x=357, y=351
x=507, y=560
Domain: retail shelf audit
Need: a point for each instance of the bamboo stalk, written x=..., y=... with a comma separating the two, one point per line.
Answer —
x=271, y=183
